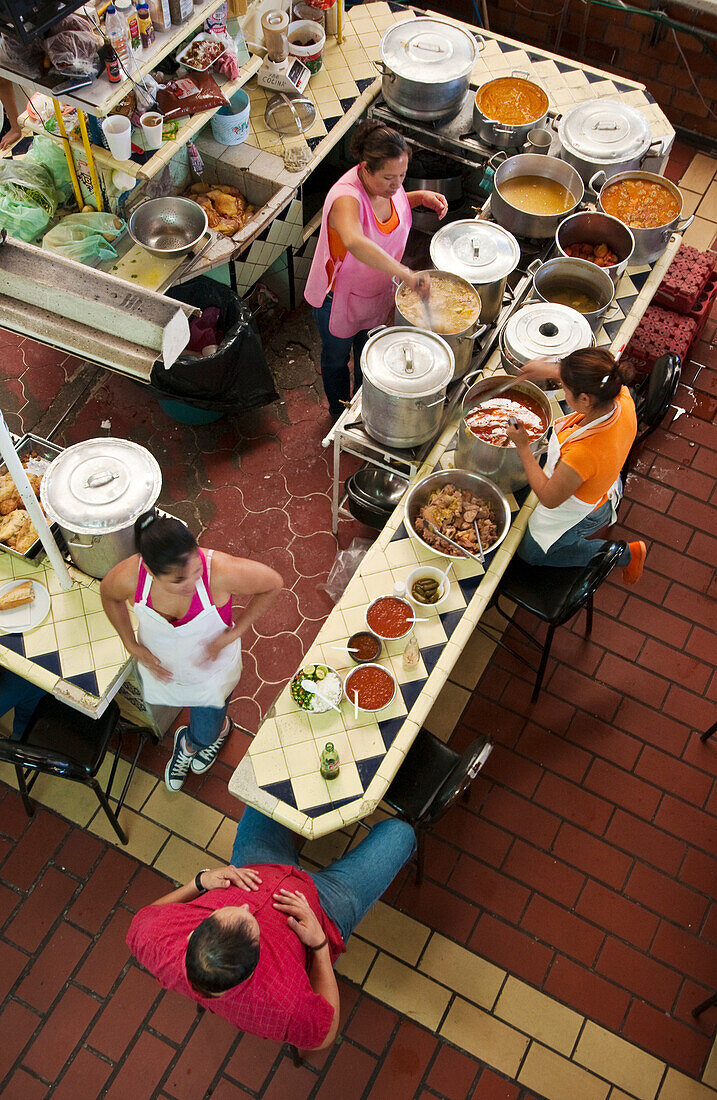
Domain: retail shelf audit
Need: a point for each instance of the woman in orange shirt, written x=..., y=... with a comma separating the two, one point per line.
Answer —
x=579, y=488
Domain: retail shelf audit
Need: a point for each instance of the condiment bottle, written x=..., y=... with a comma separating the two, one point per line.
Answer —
x=146, y=27
x=117, y=33
x=126, y=8
x=399, y=589
x=411, y=654
x=329, y=761
x=112, y=65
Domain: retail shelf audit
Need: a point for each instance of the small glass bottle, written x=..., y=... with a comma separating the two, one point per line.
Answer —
x=329, y=761
x=146, y=27
x=411, y=654
x=399, y=589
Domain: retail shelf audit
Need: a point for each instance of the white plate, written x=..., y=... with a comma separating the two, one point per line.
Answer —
x=29, y=615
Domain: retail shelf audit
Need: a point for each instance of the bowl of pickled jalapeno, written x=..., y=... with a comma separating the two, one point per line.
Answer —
x=427, y=587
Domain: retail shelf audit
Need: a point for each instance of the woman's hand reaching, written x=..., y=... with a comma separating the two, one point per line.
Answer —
x=541, y=370
x=434, y=200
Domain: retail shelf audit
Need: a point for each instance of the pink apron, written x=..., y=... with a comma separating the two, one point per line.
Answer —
x=362, y=295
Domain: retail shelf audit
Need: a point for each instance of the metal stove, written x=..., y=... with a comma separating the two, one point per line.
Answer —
x=453, y=137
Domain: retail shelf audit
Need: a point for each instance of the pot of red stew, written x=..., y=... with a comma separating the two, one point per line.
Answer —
x=390, y=617
x=483, y=445
x=373, y=686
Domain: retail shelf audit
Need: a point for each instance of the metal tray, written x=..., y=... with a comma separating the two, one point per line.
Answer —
x=45, y=449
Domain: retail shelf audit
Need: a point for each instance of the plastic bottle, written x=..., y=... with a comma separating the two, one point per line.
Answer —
x=412, y=653
x=329, y=761
x=126, y=8
x=399, y=589
x=146, y=27
x=117, y=33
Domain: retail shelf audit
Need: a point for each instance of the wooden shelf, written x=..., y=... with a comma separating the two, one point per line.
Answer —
x=100, y=97
x=187, y=129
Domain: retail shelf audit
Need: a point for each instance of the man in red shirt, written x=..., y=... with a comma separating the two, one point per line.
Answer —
x=255, y=942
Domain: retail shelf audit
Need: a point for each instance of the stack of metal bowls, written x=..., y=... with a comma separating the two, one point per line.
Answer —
x=373, y=493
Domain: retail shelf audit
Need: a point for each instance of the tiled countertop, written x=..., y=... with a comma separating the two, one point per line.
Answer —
x=75, y=653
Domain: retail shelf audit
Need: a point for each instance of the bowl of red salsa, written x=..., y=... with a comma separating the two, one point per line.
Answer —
x=374, y=685
x=367, y=647
x=390, y=617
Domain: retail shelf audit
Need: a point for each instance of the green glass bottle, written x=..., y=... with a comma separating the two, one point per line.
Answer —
x=329, y=761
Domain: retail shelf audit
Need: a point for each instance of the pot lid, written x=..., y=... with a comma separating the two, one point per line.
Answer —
x=479, y=251
x=604, y=131
x=100, y=485
x=428, y=51
x=545, y=329
x=407, y=362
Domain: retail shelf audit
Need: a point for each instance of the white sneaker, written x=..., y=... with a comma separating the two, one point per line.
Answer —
x=203, y=759
x=176, y=771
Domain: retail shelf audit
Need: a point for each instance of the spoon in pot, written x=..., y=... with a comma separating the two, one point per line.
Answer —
x=310, y=686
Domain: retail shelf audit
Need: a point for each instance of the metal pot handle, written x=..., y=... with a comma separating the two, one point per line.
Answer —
x=497, y=159
x=653, y=150
x=593, y=184
x=86, y=545
x=380, y=67
x=481, y=41
x=682, y=225
x=611, y=312
x=478, y=331
x=379, y=328
x=523, y=72
x=534, y=267
x=430, y=404
x=96, y=481
x=503, y=130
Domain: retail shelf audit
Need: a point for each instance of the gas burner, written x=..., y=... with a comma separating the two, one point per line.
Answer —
x=444, y=135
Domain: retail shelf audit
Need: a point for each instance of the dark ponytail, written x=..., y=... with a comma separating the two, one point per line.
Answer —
x=375, y=143
x=163, y=542
x=595, y=372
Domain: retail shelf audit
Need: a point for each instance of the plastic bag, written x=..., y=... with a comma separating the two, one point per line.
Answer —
x=28, y=198
x=188, y=95
x=85, y=237
x=345, y=565
x=47, y=153
x=73, y=47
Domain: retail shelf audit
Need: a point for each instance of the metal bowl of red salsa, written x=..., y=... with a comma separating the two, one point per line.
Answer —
x=373, y=684
x=365, y=645
x=390, y=617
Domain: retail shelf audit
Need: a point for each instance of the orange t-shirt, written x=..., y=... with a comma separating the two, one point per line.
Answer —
x=337, y=248
x=599, y=454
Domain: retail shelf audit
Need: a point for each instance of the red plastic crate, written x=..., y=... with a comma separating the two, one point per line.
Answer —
x=660, y=331
x=685, y=280
x=703, y=307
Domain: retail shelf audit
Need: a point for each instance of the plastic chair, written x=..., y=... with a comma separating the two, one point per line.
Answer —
x=430, y=780
x=554, y=595
x=61, y=741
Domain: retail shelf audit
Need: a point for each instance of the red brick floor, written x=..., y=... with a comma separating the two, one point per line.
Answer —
x=584, y=863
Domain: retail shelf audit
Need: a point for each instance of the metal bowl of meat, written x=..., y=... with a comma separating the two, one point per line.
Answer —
x=453, y=500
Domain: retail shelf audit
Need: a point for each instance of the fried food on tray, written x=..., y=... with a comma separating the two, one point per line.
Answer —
x=16, y=528
x=226, y=208
x=11, y=525
x=26, y=536
x=453, y=512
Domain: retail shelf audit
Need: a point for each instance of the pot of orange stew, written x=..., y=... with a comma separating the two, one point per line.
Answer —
x=649, y=204
x=507, y=108
x=483, y=446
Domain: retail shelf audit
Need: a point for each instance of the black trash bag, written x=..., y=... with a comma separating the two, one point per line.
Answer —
x=237, y=375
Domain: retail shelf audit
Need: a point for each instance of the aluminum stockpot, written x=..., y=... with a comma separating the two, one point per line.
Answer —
x=405, y=374
x=596, y=227
x=542, y=330
x=482, y=253
x=461, y=343
x=95, y=491
x=502, y=465
x=476, y=484
x=607, y=135
x=502, y=135
x=581, y=275
x=168, y=227
x=426, y=66
x=649, y=243
x=520, y=222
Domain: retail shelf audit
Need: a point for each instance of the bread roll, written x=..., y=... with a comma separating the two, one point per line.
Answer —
x=16, y=597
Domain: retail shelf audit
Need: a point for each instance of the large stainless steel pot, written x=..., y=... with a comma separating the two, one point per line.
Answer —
x=649, y=243
x=594, y=227
x=542, y=330
x=482, y=253
x=604, y=134
x=502, y=135
x=405, y=374
x=521, y=222
x=426, y=66
x=502, y=465
x=460, y=343
x=567, y=273
x=95, y=491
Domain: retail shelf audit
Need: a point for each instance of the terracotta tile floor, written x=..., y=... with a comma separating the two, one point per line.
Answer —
x=584, y=865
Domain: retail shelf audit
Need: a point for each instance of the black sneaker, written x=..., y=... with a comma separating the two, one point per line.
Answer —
x=203, y=759
x=176, y=771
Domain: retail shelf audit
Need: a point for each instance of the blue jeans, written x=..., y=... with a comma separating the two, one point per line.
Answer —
x=20, y=695
x=350, y=886
x=205, y=724
x=335, y=352
x=574, y=547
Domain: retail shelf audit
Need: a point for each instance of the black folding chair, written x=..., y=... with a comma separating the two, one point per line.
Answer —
x=653, y=395
x=554, y=595
x=430, y=780
x=61, y=741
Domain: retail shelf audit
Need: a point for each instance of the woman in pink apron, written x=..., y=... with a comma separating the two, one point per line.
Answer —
x=187, y=647
x=579, y=488
x=364, y=228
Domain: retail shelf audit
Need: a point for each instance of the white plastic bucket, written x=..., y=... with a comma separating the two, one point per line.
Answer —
x=230, y=125
x=311, y=55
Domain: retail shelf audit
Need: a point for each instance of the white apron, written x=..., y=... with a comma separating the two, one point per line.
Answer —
x=547, y=525
x=180, y=650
